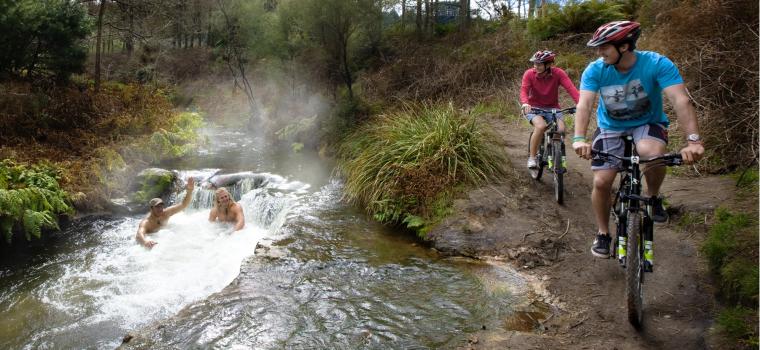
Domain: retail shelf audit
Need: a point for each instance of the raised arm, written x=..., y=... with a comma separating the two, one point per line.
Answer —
x=174, y=209
x=140, y=237
x=687, y=121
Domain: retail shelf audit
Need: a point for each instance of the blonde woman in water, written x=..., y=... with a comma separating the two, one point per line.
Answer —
x=226, y=209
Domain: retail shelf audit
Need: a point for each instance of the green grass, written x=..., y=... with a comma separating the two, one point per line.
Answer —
x=404, y=168
x=731, y=250
x=739, y=323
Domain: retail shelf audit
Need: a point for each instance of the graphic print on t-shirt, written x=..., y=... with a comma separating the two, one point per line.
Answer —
x=626, y=102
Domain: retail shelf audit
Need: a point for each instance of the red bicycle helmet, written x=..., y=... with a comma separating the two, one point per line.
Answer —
x=616, y=32
x=543, y=56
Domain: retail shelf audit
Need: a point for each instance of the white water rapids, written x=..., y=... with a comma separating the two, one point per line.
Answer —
x=120, y=285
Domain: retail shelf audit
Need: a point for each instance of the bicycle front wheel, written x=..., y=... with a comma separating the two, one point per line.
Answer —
x=539, y=170
x=558, y=170
x=634, y=270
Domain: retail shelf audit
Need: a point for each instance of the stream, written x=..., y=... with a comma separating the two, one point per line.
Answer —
x=324, y=275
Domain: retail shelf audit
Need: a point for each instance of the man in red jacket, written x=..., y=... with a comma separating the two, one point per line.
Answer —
x=540, y=89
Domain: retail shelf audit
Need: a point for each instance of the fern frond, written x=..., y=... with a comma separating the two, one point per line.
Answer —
x=34, y=221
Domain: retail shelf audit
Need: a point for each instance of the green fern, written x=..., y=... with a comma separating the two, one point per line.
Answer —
x=34, y=221
x=30, y=197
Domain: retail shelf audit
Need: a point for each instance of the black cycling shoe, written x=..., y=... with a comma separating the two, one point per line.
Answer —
x=601, y=246
x=659, y=214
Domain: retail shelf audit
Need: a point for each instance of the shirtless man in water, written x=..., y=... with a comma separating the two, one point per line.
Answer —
x=158, y=216
x=226, y=210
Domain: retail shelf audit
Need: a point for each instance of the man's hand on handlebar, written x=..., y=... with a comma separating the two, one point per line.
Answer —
x=692, y=152
x=582, y=149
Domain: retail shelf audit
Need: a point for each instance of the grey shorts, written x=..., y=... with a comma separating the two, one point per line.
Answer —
x=611, y=141
x=546, y=116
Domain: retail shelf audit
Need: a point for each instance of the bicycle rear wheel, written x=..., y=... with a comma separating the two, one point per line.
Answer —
x=539, y=170
x=559, y=191
x=634, y=270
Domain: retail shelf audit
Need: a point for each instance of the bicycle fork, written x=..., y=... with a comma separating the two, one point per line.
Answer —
x=647, y=235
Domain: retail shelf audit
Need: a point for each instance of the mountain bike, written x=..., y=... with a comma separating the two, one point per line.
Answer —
x=551, y=150
x=634, y=232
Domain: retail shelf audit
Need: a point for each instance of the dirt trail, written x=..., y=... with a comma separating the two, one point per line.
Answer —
x=520, y=222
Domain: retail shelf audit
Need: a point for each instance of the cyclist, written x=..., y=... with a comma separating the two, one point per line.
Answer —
x=540, y=89
x=630, y=84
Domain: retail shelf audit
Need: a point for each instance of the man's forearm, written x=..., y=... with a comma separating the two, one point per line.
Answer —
x=581, y=121
x=687, y=116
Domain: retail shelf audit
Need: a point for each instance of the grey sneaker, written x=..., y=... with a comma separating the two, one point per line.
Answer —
x=601, y=246
x=532, y=163
x=659, y=214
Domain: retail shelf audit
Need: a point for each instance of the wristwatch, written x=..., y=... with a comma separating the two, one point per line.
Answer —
x=693, y=138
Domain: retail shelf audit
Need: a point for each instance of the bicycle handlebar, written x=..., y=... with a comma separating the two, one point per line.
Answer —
x=670, y=159
x=553, y=110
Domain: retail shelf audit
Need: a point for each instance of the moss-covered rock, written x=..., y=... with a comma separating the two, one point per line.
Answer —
x=151, y=183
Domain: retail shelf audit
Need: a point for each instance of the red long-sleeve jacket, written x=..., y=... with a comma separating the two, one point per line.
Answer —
x=543, y=91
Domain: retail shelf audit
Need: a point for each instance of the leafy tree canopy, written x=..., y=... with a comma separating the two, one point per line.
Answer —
x=42, y=37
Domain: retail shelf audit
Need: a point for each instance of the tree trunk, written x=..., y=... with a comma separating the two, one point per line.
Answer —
x=418, y=22
x=98, y=39
x=403, y=15
x=519, y=8
x=435, y=14
x=129, y=40
x=427, y=16
x=347, y=70
x=464, y=15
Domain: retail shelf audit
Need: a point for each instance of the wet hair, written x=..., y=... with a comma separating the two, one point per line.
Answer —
x=219, y=191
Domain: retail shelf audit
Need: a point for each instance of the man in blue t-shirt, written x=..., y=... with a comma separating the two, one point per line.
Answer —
x=630, y=85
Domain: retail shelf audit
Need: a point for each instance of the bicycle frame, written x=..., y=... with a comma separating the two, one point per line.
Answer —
x=552, y=132
x=628, y=197
x=551, y=150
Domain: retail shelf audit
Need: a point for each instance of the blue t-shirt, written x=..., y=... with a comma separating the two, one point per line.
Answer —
x=634, y=98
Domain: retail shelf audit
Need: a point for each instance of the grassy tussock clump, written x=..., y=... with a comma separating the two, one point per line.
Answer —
x=403, y=167
x=732, y=254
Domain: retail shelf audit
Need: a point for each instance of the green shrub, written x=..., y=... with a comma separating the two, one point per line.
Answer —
x=574, y=17
x=721, y=240
x=731, y=250
x=30, y=197
x=403, y=167
x=176, y=142
x=739, y=323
